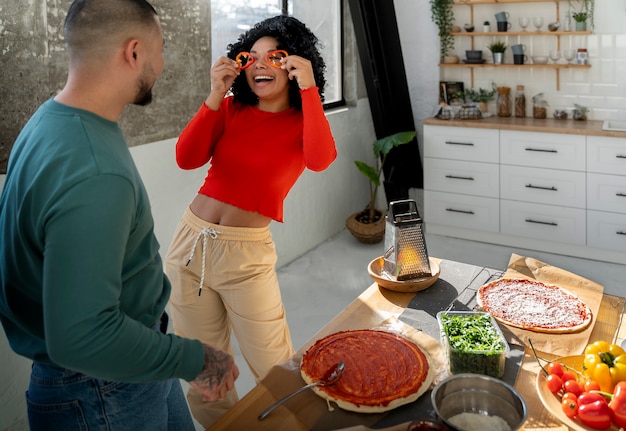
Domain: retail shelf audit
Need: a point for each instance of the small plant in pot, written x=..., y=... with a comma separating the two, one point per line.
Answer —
x=584, y=14
x=497, y=48
x=481, y=96
x=368, y=225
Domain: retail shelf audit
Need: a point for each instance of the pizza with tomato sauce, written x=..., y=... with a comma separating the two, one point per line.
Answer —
x=533, y=305
x=382, y=370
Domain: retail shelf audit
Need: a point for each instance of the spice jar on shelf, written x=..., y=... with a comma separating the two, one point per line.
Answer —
x=520, y=102
x=540, y=106
x=504, y=102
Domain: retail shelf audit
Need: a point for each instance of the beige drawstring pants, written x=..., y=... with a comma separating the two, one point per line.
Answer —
x=224, y=280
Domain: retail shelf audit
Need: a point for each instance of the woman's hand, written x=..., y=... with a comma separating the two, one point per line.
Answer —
x=223, y=74
x=300, y=69
x=218, y=374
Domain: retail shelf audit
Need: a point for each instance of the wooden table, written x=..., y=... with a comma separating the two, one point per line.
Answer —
x=369, y=309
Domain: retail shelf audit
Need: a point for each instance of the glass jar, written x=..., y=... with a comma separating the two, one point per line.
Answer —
x=504, y=101
x=540, y=106
x=520, y=102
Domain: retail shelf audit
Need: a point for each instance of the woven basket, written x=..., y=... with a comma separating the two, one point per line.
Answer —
x=368, y=233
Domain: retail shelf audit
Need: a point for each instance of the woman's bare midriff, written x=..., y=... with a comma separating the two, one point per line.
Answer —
x=217, y=212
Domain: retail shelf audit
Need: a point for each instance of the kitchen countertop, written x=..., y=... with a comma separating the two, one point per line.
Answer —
x=455, y=288
x=529, y=124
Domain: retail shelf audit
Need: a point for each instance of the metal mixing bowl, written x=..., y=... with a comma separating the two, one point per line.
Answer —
x=477, y=393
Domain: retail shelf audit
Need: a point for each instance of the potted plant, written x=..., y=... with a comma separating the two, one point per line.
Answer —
x=443, y=16
x=584, y=14
x=481, y=96
x=368, y=225
x=486, y=26
x=497, y=48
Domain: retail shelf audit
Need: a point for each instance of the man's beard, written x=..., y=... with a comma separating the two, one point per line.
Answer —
x=144, y=95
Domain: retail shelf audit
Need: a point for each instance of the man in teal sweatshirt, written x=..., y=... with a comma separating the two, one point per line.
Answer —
x=82, y=288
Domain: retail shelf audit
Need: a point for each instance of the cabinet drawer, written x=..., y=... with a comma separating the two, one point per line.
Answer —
x=545, y=222
x=461, y=143
x=545, y=186
x=543, y=150
x=606, y=155
x=469, y=212
x=470, y=178
x=606, y=192
x=606, y=230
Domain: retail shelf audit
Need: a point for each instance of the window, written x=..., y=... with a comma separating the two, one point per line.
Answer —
x=230, y=18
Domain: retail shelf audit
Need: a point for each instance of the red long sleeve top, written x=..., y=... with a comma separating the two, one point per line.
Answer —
x=256, y=157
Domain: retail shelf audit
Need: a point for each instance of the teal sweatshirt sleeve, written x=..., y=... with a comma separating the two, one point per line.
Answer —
x=103, y=279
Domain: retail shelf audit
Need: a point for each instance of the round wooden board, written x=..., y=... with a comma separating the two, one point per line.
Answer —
x=375, y=270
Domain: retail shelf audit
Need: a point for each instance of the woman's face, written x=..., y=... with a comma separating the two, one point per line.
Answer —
x=268, y=83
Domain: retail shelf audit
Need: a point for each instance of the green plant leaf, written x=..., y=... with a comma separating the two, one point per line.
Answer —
x=368, y=171
x=384, y=145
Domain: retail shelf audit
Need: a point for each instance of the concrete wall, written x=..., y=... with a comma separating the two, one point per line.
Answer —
x=34, y=67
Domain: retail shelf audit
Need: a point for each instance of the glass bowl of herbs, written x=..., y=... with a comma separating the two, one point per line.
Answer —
x=473, y=342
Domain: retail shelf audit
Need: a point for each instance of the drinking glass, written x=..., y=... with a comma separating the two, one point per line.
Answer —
x=569, y=55
x=523, y=22
x=555, y=56
x=538, y=22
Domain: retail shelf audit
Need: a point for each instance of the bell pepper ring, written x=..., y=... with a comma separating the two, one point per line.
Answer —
x=244, y=59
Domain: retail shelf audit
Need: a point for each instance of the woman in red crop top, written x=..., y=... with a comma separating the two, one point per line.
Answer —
x=261, y=125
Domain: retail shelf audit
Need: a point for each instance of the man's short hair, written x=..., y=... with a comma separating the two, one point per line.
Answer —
x=93, y=25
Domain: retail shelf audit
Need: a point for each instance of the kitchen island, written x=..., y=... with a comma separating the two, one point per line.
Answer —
x=380, y=308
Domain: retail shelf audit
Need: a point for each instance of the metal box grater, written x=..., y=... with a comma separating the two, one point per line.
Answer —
x=405, y=254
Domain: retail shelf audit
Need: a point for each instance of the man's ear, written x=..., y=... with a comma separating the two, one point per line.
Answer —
x=130, y=52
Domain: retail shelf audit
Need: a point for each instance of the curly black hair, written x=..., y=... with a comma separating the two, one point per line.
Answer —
x=294, y=37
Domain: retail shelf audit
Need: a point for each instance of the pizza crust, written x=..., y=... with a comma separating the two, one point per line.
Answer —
x=521, y=303
x=374, y=361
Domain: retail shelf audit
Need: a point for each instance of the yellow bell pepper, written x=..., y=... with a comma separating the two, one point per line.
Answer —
x=605, y=363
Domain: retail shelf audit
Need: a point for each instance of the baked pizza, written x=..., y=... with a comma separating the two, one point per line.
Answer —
x=382, y=370
x=533, y=305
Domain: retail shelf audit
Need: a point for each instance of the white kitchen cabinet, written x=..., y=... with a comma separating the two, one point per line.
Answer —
x=545, y=186
x=556, y=192
x=462, y=143
x=544, y=222
x=543, y=150
x=606, y=230
x=463, y=211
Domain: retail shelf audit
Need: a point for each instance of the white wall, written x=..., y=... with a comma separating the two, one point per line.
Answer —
x=601, y=88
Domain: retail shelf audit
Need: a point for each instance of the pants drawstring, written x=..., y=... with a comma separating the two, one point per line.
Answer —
x=205, y=233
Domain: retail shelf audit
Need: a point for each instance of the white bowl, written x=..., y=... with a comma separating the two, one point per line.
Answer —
x=540, y=59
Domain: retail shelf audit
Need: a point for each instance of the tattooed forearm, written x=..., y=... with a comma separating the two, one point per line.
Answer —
x=218, y=365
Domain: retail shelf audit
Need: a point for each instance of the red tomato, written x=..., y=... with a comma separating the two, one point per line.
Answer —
x=555, y=368
x=553, y=383
x=572, y=386
x=569, y=407
x=590, y=385
x=570, y=396
x=568, y=375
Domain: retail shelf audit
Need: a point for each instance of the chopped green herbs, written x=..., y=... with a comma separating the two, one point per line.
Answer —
x=474, y=342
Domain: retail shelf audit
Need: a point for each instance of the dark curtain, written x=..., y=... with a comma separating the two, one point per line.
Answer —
x=385, y=78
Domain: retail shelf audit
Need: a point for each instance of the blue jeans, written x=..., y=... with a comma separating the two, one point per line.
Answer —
x=65, y=400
